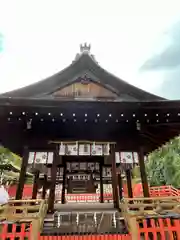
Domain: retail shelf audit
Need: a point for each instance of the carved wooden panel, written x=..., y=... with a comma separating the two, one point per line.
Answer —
x=84, y=90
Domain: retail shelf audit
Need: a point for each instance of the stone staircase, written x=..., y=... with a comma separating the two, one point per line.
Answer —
x=84, y=219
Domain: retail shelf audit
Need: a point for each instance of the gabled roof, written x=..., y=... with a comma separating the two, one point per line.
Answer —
x=83, y=65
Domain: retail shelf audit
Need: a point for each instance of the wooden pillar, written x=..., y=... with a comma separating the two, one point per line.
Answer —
x=63, y=200
x=129, y=183
x=53, y=181
x=120, y=185
x=22, y=177
x=101, y=184
x=35, y=185
x=44, y=187
x=114, y=178
x=144, y=180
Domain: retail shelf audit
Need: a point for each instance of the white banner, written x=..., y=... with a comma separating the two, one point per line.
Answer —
x=31, y=158
x=126, y=157
x=117, y=157
x=106, y=149
x=40, y=157
x=50, y=158
x=62, y=149
x=136, y=158
x=96, y=150
x=72, y=149
x=84, y=149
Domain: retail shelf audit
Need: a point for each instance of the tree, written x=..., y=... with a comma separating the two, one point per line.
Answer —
x=5, y=155
x=163, y=165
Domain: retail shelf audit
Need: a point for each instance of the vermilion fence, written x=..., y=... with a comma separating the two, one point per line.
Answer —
x=147, y=229
x=17, y=231
x=164, y=191
x=88, y=237
x=160, y=191
x=163, y=229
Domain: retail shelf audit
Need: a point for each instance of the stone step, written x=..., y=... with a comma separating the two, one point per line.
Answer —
x=86, y=222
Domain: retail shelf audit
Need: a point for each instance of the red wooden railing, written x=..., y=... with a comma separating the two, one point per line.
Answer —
x=160, y=229
x=15, y=233
x=88, y=237
x=155, y=229
x=164, y=191
x=160, y=191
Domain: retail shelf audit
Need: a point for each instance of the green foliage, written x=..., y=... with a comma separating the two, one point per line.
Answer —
x=9, y=158
x=5, y=156
x=163, y=165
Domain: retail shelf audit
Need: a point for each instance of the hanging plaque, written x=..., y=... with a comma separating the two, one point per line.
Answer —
x=126, y=157
x=99, y=150
x=117, y=157
x=38, y=157
x=84, y=149
x=83, y=165
x=50, y=157
x=91, y=166
x=72, y=149
x=68, y=166
x=106, y=149
x=41, y=157
x=31, y=158
x=97, y=166
x=135, y=157
x=62, y=149
x=96, y=150
x=74, y=166
x=61, y=172
x=108, y=172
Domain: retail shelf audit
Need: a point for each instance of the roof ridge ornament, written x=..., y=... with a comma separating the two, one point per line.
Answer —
x=85, y=48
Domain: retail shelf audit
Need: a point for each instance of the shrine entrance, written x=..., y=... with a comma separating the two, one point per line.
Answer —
x=80, y=183
x=83, y=175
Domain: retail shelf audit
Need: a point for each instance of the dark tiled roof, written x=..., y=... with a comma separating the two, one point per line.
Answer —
x=83, y=65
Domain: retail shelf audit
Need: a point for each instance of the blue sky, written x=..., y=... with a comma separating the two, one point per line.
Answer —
x=41, y=37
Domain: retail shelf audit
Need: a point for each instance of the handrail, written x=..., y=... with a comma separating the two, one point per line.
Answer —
x=134, y=209
x=25, y=211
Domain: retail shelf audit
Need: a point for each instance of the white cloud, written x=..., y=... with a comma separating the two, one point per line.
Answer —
x=42, y=37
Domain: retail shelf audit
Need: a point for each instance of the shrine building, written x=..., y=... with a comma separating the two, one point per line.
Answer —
x=82, y=128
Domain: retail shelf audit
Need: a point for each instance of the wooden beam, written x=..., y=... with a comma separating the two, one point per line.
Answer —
x=143, y=173
x=114, y=177
x=22, y=177
x=44, y=187
x=101, y=184
x=120, y=185
x=53, y=180
x=35, y=185
x=129, y=183
x=63, y=199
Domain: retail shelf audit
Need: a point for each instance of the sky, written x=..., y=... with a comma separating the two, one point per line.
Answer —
x=128, y=38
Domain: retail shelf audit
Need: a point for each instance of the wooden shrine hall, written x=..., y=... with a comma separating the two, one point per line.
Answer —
x=73, y=127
